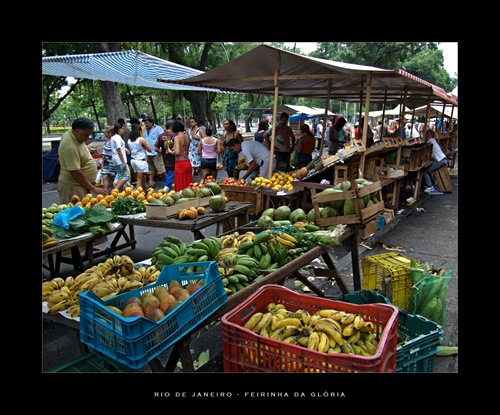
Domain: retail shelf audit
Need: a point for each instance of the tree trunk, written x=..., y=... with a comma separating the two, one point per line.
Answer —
x=110, y=93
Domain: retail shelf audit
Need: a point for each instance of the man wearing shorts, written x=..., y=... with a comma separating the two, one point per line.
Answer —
x=155, y=159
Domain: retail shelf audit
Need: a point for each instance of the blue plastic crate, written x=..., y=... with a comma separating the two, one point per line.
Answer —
x=423, y=336
x=134, y=341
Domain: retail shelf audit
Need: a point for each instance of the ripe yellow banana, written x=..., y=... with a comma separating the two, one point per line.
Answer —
x=323, y=344
x=303, y=315
x=326, y=312
x=285, y=242
x=274, y=322
x=368, y=326
x=253, y=321
x=291, y=339
x=290, y=330
x=57, y=296
x=60, y=306
x=358, y=322
x=331, y=331
x=347, y=318
x=337, y=315
x=313, y=342
x=331, y=322
x=348, y=330
x=288, y=237
x=289, y=321
x=264, y=322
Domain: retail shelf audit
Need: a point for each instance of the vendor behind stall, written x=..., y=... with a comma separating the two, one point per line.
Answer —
x=256, y=155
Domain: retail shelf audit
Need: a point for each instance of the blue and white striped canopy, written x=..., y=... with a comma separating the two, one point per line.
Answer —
x=126, y=67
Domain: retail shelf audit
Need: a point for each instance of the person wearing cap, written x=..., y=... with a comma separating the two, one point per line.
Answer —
x=256, y=154
x=155, y=159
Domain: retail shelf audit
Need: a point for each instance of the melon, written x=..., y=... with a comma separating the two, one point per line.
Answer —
x=328, y=212
x=214, y=187
x=168, y=200
x=333, y=203
x=349, y=208
x=205, y=192
x=217, y=203
x=176, y=196
x=183, y=200
x=187, y=192
x=264, y=221
x=268, y=212
x=298, y=215
x=311, y=216
x=282, y=213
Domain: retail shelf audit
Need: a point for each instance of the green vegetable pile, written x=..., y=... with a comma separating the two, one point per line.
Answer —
x=127, y=206
x=95, y=220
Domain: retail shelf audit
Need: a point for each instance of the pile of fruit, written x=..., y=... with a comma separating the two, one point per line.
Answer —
x=328, y=330
x=107, y=279
x=277, y=182
x=157, y=304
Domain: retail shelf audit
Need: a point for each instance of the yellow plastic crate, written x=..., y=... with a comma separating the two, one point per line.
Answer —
x=388, y=274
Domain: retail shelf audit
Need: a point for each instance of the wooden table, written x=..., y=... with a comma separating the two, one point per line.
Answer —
x=180, y=349
x=53, y=257
x=235, y=215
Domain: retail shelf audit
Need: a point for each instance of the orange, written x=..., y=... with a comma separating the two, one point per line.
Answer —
x=135, y=193
x=85, y=200
x=139, y=188
x=128, y=190
x=99, y=197
x=103, y=202
x=109, y=198
x=93, y=201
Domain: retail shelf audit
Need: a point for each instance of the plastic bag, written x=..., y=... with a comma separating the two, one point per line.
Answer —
x=64, y=216
x=429, y=291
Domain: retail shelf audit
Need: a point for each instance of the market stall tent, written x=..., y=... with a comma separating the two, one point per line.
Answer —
x=272, y=71
x=125, y=67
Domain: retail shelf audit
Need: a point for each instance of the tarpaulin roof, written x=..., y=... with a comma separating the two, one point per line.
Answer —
x=436, y=110
x=305, y=76
x=126, y=67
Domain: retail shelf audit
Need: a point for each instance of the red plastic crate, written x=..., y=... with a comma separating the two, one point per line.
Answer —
x=245, y=351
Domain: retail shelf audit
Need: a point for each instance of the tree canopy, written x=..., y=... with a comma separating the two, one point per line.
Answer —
x=105, y=101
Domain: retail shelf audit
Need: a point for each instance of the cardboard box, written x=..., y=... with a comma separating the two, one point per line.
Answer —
x=370, y=227
x=163, y=212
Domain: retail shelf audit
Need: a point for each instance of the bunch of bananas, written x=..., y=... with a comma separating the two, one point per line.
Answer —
x=327, y=331
x=47, y=240
x=238, y=271
x=173, y=251
x=62, y=294
x=430, y=287
x=118, y=264
x=305, y=226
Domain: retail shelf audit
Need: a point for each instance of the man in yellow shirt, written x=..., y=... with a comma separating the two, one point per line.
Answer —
x=78, y=168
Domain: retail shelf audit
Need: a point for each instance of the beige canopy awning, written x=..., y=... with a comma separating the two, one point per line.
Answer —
x=272, y=71
x=261, y=69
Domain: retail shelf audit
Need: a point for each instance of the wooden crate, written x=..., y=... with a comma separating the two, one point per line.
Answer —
x=443, y=179
x=387, y=172
x=371, y=168
x=248, y=194
x=345, y=172
x=416, y=156
x=163, y=212
x=361, y=216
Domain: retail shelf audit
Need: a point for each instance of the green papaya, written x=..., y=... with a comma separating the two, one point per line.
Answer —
x=349, y=208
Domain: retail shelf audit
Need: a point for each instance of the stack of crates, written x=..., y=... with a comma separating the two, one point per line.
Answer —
x=388, y=274
x=418, y=337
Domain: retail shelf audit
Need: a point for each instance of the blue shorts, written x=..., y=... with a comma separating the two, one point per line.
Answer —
x=209, y=164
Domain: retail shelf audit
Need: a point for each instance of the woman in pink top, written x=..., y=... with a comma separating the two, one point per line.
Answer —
x=209, y=148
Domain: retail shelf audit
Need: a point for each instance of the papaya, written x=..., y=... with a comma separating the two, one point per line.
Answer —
x=349, y=208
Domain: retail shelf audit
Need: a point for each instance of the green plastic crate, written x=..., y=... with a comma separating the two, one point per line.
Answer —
x=91, y=363
x=418, y=353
